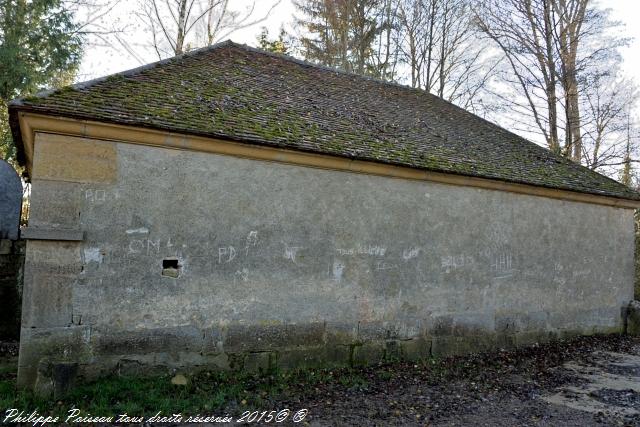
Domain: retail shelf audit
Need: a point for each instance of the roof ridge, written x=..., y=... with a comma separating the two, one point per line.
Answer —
x=243, y=46
x=436, y=134
x=225, y=43
x=282, y=56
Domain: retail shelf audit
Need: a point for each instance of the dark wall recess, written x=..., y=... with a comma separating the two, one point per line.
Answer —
x=171, y=267
x=11, y=276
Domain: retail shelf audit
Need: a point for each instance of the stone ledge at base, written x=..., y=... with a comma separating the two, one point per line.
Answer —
x=84, y=362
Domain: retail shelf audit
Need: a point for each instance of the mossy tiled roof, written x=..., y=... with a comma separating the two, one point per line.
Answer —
x=239, y=93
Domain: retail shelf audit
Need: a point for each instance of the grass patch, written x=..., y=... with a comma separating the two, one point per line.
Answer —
x=206, y=392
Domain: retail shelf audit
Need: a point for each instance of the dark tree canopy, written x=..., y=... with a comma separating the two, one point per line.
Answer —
x=39, y=47
x=341, y=32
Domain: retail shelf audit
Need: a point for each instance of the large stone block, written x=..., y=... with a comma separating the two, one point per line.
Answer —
x=141, y=341
x=39, y=346
x=262, y=337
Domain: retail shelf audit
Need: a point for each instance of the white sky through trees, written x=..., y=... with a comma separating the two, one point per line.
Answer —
x=132, y=48
x=102, y=60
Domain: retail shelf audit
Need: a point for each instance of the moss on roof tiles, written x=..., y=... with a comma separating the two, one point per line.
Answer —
x=235, y=92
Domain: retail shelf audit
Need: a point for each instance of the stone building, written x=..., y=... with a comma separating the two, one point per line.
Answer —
x=243, y=210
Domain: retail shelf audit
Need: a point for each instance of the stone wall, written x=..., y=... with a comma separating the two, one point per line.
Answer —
x=192, y=259
x=11, y=273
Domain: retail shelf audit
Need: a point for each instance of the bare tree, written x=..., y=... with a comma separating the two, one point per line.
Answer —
x=548, y=45
x=585, y=49
x=430, y=43
x=177, y=26
x=415, y=38
x=606, y=121
x=437, y=41
x=625, y=176
x=628, y=175
x=570, y=17
x=385, y=56
x=99, y=22
x=523, y=31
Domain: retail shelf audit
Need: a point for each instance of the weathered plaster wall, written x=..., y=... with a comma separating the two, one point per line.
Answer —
x=286, y=265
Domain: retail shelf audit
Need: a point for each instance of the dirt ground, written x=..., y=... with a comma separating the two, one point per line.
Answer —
x=591, y=381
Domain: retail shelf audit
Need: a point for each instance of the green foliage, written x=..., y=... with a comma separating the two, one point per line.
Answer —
x=279, y=45
x=40, y=47
x=7, y=149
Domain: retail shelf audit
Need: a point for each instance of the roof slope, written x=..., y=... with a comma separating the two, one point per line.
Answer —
x=239, y=93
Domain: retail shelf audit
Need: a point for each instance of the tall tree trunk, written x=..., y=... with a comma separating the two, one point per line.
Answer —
x=443, y=47
x=181, y=27
x=432, y=19
x=415, y=76
x=549, y=63
x=571, y=15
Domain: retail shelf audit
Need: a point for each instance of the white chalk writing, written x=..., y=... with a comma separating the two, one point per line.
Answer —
x=363, y=250
x=100, y=195
x=141, y=230
x=147, y=246
x=290, y=252
x=453, y=262
x=226, y=254
x=242, y=275
x=410, y=253
x=252, y=241
x=501, y=262
x=381, y=265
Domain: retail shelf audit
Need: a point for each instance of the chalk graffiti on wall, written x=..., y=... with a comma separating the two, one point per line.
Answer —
x=98, y=195
x=496, y=259
x=411, y=253
x=241, y=275
x=226, y=254
x=251, y=241
x=382, y=266
x=371, y=250
x=502, y=264
x=144, y=246
x=453, y=262
x=290, y=252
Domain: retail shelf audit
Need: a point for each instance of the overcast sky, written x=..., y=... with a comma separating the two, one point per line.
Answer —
x=103, y=60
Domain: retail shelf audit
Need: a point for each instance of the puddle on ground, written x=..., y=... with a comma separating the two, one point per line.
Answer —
x=609, y=384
